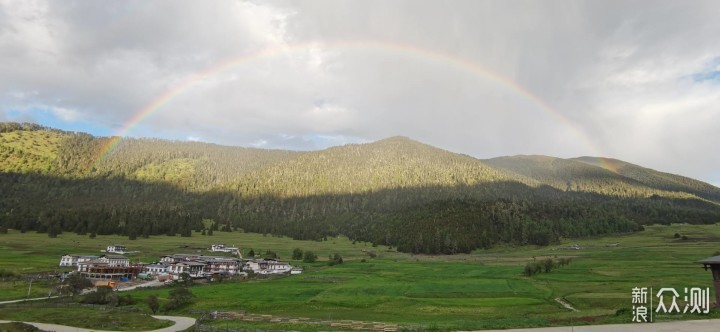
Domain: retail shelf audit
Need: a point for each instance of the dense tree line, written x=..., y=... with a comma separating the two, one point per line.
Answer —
x=395, y=192
x=421, y=220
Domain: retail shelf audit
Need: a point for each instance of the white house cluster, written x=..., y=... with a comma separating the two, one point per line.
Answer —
x=118, y=267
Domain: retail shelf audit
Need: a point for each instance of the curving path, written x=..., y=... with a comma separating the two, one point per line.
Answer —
x=181, y=323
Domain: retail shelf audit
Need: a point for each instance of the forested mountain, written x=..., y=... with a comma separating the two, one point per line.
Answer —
x=658, y=180
x=604, y=176
x=395, y=191
x=392, y=163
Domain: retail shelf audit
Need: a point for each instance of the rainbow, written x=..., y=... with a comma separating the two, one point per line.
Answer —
x=407, y=50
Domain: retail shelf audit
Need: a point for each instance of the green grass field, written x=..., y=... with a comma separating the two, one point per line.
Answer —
x=91, y=318
x=485, y=289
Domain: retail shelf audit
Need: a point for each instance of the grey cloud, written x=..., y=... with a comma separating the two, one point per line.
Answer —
x=616, y=76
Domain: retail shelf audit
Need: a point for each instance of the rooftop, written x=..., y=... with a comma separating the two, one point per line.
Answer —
x=710, y=260
x=115, y=257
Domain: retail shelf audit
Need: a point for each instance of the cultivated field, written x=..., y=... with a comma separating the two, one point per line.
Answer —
x=485, y=289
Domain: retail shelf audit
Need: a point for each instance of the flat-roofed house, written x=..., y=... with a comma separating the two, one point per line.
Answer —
x=156, y=268
x=73, y=260
x=194, y=269
x=115, y=260
x=267, y=266
x=68, y=260
x=221, y=264
x=176, y=258
x=108, y=267
x=116, y=249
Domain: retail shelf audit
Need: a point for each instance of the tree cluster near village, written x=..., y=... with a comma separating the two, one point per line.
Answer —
x=394, y=192
x=546, y=266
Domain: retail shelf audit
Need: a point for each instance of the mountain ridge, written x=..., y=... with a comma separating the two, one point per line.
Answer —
x=411, y=162
x=395, y=191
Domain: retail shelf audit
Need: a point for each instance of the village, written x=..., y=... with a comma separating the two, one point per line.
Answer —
x=112, y=267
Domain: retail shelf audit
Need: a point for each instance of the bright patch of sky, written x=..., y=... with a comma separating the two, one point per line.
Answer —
x=711, y=73
x=57, y=118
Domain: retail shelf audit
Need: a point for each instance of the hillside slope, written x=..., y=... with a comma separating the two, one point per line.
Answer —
x=395, y=191
x=590, y=174
x=392, y=163
x=658, y=180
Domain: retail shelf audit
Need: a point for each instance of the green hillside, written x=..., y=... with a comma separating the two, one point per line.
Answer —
x=396, y=192
x=28, y=148
x=657, y=180
x=590, y=174
x=392, y=163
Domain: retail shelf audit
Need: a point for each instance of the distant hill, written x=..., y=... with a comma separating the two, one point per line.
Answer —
x=604, y=176
x=395, y=191
x=657, y=180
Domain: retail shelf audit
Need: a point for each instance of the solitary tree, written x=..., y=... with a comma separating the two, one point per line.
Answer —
x=270, y=254
x=335, y=259
x=76, y=283
x=153, y=302
x=548, y=265
x=178, y=298
x=309, y=257
x=186, y=279
x=297, y=254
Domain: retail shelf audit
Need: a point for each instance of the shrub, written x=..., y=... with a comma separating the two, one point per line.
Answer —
x=335, y=259
x=270, y=254
x=532, y=268
x=103, y=295
x=309, y=257
x=153, y=303
x=548, y=265
x=297, y=254
x=178, y=298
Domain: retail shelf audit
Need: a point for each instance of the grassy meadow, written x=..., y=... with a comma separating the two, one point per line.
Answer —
x=91, y=318
x=484, y=289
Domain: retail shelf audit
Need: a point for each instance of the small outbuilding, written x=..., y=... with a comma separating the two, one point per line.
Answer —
x=713, y=263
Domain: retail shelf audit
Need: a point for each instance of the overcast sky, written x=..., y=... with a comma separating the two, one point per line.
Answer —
x=637, y=81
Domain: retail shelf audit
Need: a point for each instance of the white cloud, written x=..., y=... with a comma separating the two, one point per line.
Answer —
x=65, y=113
x=621, y=76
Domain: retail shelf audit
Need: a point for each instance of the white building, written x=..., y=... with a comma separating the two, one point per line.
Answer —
x=73, y=260
x=177, y=258
x=267, y=266
x=115, y=260
x=194, y=269
x=214, y=265
x=116, y=249
x=156, y=269
x=222, y=248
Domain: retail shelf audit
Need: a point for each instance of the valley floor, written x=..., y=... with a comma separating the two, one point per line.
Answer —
x=482, y=290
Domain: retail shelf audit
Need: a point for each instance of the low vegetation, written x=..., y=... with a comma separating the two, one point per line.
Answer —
x=83, y=317
x=546, y=265
x=484, y=289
